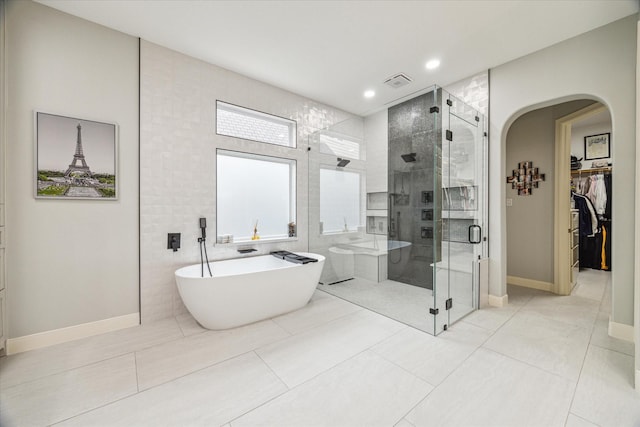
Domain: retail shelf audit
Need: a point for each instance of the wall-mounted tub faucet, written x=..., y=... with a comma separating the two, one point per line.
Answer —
x=173, y=241
x=202, y=240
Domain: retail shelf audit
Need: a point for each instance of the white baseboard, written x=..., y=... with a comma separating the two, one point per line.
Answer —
x=59, y=336
x=495, y=301
x=530, y=283
x=620, y=331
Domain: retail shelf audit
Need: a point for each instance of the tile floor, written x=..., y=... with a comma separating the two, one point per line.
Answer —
x=542, y=361
x=403, y=302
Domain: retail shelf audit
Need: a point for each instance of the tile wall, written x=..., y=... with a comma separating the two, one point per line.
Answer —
x=412, y=128
x=177, y=162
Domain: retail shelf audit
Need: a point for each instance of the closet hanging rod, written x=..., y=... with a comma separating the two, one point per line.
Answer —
x=590, y=171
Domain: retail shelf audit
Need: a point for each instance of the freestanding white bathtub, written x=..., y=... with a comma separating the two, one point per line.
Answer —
x=246, y=290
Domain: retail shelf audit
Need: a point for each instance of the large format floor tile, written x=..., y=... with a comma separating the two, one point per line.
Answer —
x=605, y=394
x=519, y=295
x=569, y=309
x=590, y=289
x=490, y=389
x=556, y=347
x=35, y=364
x=600, y=337
x=363, y=391
x=303, y=356
x=605, y=304
x=172, y=360
x=591, y=276
x=575, y=421
x=210, y=397
x=432, y=358
x=491, y=318
x=56, y=397
x=322, y=309
x=333, y=363
x=405, y=303
x=188, y=325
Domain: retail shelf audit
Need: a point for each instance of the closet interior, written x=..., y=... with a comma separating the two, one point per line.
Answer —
x=591, y=209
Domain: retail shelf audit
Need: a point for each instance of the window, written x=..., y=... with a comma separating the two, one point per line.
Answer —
x=339, y=200
x=254, y=189
x=244, y=123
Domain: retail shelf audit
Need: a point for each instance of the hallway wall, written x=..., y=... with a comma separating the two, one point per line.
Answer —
x=564, y=72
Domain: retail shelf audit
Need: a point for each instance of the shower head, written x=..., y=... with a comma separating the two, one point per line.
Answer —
x=343, y=162
x=409, y=158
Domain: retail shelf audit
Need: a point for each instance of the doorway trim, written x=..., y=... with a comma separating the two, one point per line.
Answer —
x=561, y=216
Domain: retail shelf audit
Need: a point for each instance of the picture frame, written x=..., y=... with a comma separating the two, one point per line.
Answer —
x=597, y=146
x=75, y=158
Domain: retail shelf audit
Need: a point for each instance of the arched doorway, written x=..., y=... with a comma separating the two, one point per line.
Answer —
x=539, y=145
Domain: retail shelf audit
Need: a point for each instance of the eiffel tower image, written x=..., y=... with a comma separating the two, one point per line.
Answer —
x=78, y=157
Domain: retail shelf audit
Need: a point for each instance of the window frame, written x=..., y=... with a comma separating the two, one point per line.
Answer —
x=293, y=170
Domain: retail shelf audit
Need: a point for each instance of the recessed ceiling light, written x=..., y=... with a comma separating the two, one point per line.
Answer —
x=433, y=64
x=369, y=93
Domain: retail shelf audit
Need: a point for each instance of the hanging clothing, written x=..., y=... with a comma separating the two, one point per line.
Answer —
x=588, y=228
x=608, y=187
x=597, y=193
x=603, y=261
x=607, y=246
x=588, y=218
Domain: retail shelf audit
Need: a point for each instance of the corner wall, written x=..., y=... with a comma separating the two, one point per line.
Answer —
x=69, y=262
x=178, y=158
x=564, y=72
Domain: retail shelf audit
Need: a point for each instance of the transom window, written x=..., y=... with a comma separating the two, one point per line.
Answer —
x=240, y=122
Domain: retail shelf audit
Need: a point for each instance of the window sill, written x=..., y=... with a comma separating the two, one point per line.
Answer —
x=236, y=243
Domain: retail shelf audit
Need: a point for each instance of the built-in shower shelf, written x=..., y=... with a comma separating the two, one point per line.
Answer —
x=377, y=225
x=377, y=200
x=458, y=214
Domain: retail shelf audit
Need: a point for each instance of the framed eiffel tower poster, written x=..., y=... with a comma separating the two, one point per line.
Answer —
x=75, y=158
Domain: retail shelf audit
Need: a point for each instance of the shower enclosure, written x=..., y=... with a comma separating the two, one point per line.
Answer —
x=414, y=209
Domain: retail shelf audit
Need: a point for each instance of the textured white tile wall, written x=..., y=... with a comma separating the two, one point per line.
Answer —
x=474, y=91
x=178, y=144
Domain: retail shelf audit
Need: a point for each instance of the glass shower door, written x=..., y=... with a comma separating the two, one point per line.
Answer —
x=463, y=208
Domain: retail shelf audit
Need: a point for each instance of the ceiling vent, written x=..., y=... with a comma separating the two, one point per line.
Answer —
x=398, y=81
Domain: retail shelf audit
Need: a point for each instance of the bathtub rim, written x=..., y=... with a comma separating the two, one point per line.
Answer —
x=239, y=260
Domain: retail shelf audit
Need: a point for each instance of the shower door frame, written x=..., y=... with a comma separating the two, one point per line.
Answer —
x=447, y=277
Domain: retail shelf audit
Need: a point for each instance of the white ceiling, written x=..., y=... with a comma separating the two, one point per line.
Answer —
x=332, y=51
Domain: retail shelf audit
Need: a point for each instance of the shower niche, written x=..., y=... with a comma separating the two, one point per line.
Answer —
x=437, y=181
